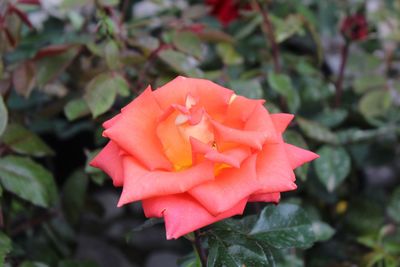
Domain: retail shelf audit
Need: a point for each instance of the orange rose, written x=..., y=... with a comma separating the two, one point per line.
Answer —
x=195, y=153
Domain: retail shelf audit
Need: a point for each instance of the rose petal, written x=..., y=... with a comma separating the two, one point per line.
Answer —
x=211, y=96
x=135, y=131
x=281, y=121
x=298, y=156
x=175, y=146
x=261, y=121
x=109, y=160
x=141, y=183
x=107, y=124
x=233, y=157
x=265, y=197
x=229, y=187
x=239, y=110
x=254, y=139
x=274, y=170
x=173, y=92
x=182, y=214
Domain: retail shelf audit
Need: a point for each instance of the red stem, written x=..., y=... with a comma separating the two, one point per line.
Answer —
x=339, y=83
x=268, y=30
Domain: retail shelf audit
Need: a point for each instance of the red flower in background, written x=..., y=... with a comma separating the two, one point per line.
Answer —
x=225, y=10
x=354, y=27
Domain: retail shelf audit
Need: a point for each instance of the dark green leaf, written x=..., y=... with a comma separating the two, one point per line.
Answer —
x=111, y=53
x=247, y=253
x=317, y=131
x=331, y=118
x=228, y=54
x=332, y=167
x=191, y=260
x=375, y=103
x=282, y=84
x=180, y=62
x=77, y=263
x=5, y=247
x=76, y=108
x=32, y=264
x=49, y=67
x=3, y=116
x=28, y=180
x=322, y=231
x=394, y=206
x=101, y=92
x=188, y=43
x=284, y=226
x=365, y=83
x=250, y=88
x=23, y=141
x=354, y=135
x=74, y=193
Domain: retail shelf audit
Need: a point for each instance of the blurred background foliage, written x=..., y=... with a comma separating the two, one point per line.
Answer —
x=67, y=66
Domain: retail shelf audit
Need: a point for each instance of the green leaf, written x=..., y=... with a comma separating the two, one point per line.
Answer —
x=28, y=180
x=74, y=193
x=5, y=247
x=49, y=67
x=188, y=43
x=111, y=53
x=23, y=141
x=331, y=118
x=282, y=84
x=180, y=62
x=332, y=167
x=375, y=103
x=322, y=231
x=364, y=83
x=291, y=25
x=3, y=116
x=394, y=206
x=296, y=139
x=245, y=253
x=32, y=264
x=228, y=54
x=284, y=226
x=77, y=263
x=317, y=131
x=190, y=260
x=249, y=89
x=102, y=91
x=76, y=108
x=353, y=135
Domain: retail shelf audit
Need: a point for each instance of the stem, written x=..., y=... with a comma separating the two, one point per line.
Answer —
x=339, y=83
x=268, y=30
x=200, y=250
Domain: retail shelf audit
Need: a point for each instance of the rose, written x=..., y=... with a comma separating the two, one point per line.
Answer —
x=225, y=10
x=354, y=27
x=195, y=153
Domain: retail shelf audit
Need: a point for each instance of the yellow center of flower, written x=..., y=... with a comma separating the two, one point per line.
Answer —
x=175, y=133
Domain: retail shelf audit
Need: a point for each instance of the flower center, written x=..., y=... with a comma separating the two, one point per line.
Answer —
x=175, y=132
